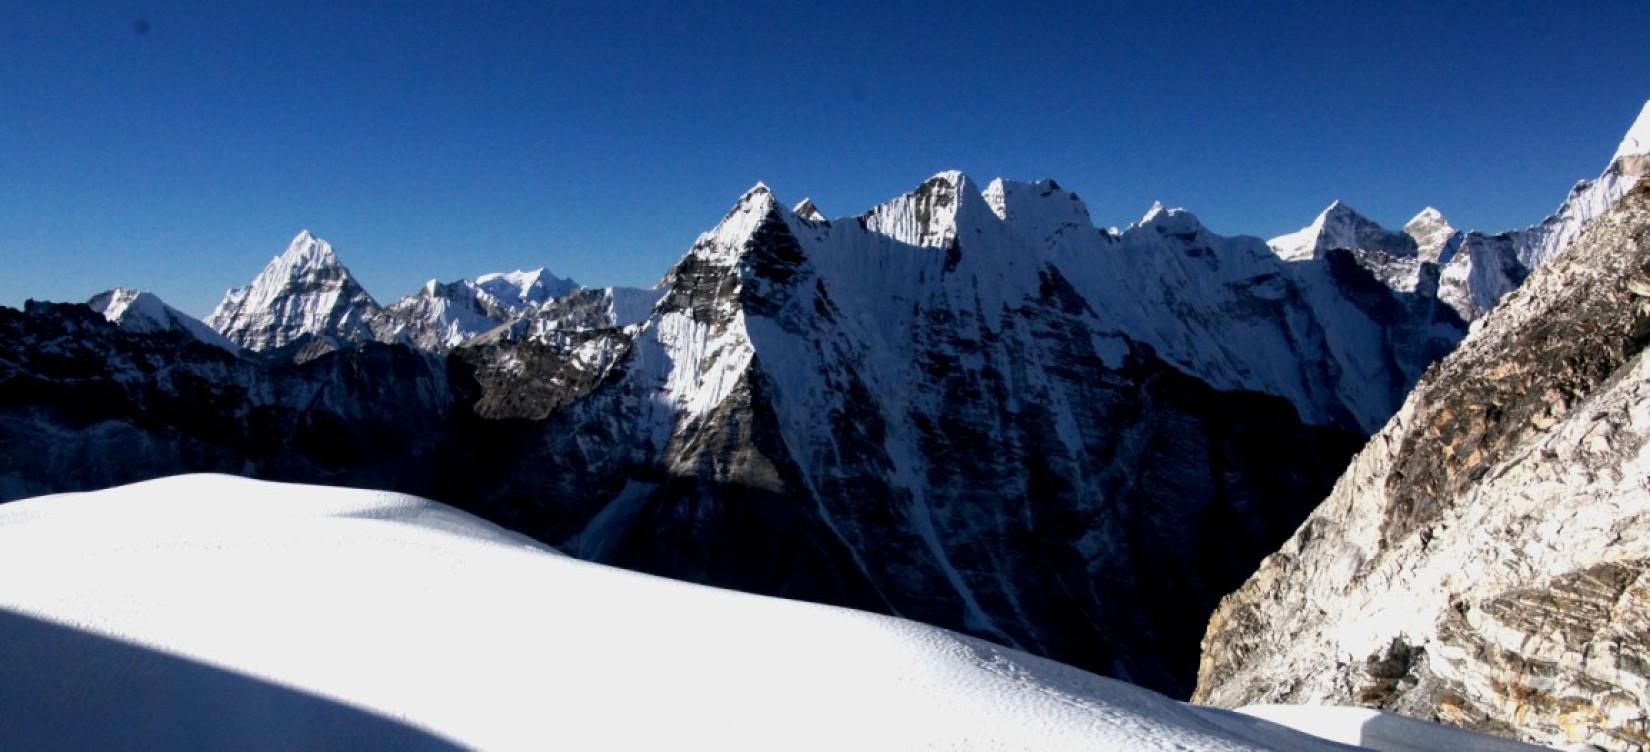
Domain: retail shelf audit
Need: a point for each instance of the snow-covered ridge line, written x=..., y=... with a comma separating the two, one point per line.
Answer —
x=358, y=618
x=307, y=293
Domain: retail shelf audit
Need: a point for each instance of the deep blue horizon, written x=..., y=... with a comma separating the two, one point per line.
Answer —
x=176, y=149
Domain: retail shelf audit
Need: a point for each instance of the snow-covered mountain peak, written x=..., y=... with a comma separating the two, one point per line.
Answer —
x=145, y=312
x=727, y=240
x=1170, y=221
x=306, y=252
x=1341, y=226
x=304, y=291
x=1637, y=140
x=1435, y=238
x=519, y=290
x=935, y=214
x=1039, y=211
x=808, y=211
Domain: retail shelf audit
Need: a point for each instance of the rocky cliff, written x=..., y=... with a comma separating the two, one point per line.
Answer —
x=1485, y=561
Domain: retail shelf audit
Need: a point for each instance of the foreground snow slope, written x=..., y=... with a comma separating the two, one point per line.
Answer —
x=193, y=610
x=408, y=610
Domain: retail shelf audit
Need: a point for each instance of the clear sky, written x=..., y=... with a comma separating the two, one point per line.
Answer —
x=177, y=147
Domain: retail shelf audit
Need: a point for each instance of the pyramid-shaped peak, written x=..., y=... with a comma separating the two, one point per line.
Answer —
x=304, y=254
x=306, y=290
x=808, y=211
x=1435, y=239
x=1637, y=140
x=1340, y=209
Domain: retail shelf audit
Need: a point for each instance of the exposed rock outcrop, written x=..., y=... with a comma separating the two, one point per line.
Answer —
x=1486, y=559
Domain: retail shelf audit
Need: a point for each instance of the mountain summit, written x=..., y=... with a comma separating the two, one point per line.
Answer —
x=305, y=291
x=1341, y=226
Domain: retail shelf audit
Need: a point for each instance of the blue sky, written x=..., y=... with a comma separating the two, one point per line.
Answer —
x=177, y=147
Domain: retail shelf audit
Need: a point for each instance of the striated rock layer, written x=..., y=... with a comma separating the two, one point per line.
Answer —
x=1486, y=560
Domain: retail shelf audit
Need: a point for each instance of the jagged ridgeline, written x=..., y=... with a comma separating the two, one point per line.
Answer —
x=966, y=406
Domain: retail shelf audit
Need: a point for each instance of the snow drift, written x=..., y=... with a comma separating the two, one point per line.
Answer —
x=216, y=611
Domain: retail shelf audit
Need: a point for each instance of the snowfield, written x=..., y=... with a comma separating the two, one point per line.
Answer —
x=210, y=611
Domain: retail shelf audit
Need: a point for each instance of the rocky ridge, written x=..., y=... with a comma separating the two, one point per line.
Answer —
x=1484, y=561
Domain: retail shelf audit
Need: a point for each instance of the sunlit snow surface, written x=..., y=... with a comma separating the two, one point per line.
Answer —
x=249, y=613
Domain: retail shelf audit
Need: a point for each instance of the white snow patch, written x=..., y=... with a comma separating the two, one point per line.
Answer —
x=401, y=616
x=1373, y=729
x=1637, y=140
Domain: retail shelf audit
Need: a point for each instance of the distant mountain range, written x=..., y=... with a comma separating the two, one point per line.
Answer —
x=968, y=405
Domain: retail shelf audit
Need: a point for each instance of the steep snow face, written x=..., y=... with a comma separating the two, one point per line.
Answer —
x=326, y=617
x=1483, y=270
x=1329, y=333
x=934, y=215
x=1340, y=226
x=144, y=312
x=305, y=291
x=1637, y=141
x=696, y=346
x=1040, y=212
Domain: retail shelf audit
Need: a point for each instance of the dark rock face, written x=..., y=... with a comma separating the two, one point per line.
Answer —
x=87, y=405
x=1483, y=561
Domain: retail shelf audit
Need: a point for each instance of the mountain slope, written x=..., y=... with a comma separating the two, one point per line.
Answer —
x=1484, y=560
x=438, y=630
x=216, y=612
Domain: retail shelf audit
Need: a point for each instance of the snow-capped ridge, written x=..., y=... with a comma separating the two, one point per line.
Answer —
x=145, y=312
x=1041, y=212
x=1637, y=140
x=935, y=214
x=519, y=290
x=1339, y=226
